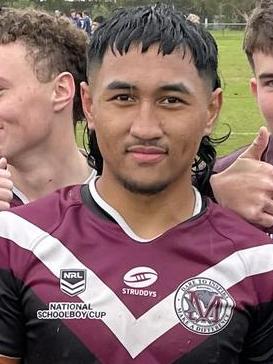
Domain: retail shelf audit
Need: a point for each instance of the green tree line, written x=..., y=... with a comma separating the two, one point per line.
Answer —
x=213, y=10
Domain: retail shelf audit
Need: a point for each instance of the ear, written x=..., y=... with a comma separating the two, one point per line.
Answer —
x=214, y=107
x=253, y=86
x=87, y=104
x=64, y=91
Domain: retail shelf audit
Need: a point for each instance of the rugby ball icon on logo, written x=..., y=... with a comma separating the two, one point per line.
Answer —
x=140, y=277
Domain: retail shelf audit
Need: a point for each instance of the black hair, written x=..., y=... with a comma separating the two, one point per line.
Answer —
x=149, y=25
x=168, y=28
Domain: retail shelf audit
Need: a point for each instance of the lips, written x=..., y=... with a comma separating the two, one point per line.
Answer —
x=147, y=154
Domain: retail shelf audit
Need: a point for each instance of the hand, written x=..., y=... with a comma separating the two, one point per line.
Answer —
x=246, y=186
x=6, y=185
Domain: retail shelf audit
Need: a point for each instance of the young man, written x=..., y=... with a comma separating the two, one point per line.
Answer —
x=247, y=185
x=135, y=267
x=87, y=22
x=74, y=18
x=42, y=62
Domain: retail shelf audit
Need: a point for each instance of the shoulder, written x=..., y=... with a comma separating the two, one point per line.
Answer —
x=44, y=213
x=252, y=250
x=223, y=162
x=231, y=226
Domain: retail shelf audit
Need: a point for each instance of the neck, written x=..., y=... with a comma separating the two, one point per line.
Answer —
x=37, y=175
x=163, y=210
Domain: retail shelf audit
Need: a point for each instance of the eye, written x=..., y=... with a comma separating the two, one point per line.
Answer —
x=123, y=98
x=172, y=100
x=268, y=83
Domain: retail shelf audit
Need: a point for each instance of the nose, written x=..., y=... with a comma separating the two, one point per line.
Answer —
x=146, y=124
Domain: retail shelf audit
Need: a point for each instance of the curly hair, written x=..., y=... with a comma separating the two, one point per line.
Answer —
x=53, y=46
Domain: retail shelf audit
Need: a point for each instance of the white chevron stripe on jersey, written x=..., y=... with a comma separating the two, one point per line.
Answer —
x=134, y=334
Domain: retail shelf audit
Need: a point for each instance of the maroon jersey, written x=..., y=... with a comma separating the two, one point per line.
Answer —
x=77, y=286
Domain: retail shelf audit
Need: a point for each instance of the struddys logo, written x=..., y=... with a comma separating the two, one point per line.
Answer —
x=203, y=306
x=137, y=280
x=73, y=281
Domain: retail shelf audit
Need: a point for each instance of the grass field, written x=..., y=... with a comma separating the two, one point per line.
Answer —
x=239, y=110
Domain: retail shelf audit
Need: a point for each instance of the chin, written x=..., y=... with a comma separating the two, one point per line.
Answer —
x=144, y=188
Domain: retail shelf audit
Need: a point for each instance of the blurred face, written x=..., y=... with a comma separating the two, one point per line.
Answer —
x=262, y=85
x=25, y=107
x=149, y=113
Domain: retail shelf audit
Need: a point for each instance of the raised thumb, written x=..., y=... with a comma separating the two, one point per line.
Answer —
x=258, y=146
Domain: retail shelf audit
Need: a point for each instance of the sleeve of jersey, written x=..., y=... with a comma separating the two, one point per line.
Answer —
x=11, y=323
x=224, y=162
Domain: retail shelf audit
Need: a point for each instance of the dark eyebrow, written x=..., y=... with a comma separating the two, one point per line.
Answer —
x=118, y=85
x=265, y=76
x=176, y=87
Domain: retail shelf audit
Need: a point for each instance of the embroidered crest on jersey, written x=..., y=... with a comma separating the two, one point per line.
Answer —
x=203, y=306
x=73, y=281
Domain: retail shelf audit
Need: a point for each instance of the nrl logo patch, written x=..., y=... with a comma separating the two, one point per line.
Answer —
x=73, y=281
x=203, y=306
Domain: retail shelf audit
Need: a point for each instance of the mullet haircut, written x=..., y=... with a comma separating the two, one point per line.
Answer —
x=168, y=28
x=149, y=25
x=259, y=31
